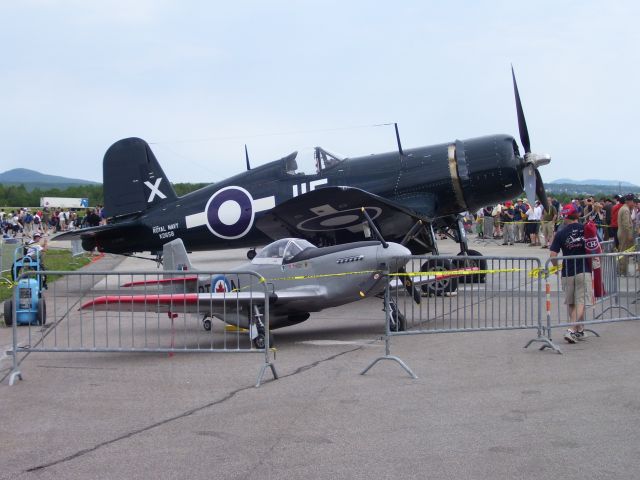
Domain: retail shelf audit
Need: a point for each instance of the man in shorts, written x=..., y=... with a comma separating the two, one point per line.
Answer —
x=576, y=273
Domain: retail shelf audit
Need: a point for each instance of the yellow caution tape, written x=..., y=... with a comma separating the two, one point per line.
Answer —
x=323, y=275
x=536, y=272
x=438, y=273
x=455, y=273
x=7, y=281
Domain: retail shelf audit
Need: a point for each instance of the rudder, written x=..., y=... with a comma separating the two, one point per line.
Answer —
x=133, y=179
x=174, y=256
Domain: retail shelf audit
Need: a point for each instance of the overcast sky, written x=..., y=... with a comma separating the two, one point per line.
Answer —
x=199, y=79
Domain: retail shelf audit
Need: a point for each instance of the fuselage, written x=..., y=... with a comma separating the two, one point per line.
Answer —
x=434, y=181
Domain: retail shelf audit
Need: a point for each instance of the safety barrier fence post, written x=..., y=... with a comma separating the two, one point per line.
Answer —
x=7, y=252
x=465, y=294
x=608, y=246
x=592, y=289
x=145, y=312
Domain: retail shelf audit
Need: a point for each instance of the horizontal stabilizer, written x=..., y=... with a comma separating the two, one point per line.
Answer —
x=119, y=237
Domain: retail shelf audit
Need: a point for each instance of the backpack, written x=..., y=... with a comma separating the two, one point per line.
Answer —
x=28, y=218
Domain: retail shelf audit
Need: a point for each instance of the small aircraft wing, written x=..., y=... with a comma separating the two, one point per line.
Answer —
x=162, y=282
x=335, y=214
x=193, y=302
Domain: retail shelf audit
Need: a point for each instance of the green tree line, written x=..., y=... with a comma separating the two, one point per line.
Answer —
x=19, y=196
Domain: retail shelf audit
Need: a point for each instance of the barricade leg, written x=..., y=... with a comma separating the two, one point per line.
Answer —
x=387, y=346
x=266, y=365
x=546, y=341
x=388, y=356
x=15, y=370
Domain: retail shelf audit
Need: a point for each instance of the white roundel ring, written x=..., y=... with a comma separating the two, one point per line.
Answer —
x=230, y=212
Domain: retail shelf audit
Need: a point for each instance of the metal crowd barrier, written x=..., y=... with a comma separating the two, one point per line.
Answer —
x=487, y=232
x=465, y=294
x=76, y=248
x=7, y=251
x=151, y=314
x=608, y=246
x=616, y=301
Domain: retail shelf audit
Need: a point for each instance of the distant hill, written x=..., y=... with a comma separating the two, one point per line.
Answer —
x=607, y=183
x=32, y=179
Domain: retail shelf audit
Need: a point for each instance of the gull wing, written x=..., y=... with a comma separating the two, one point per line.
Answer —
x=334, y=215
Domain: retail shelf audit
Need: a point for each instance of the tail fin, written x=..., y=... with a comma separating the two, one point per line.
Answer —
x=174, y=256
x=133, y=179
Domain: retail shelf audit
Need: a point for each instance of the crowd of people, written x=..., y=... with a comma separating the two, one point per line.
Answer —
x=561, y=229
x=521, y=221
x=25, y=222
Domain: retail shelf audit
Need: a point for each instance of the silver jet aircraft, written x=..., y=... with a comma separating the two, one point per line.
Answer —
x=301, y=279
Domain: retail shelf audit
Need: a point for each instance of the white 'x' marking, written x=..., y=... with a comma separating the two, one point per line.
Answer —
x=155, y=190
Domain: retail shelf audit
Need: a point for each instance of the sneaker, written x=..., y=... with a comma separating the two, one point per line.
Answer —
x=570, y=337
x=579, y=335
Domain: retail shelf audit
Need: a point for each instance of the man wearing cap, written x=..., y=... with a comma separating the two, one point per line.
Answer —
x=35, y=249
x=613, y=226
x=518, y=217
x=507, y=220
x=625, y=232
x=576, y=273
x=548, y=222
x=608, y=206
x=534, y=214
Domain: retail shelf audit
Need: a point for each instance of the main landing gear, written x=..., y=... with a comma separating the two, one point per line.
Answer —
x=457, y=233
x=257, y=331
x=397, y=321
x=206, y=323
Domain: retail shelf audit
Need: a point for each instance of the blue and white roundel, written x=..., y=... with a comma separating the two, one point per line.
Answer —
x=220, y=284
x=230, y=212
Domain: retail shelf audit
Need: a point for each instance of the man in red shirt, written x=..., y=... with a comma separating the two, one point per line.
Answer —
x=614, y=219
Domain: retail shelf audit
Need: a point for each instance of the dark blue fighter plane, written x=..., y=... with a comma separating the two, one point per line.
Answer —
x=406, y=193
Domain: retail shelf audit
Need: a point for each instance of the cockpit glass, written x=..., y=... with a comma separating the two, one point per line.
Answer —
x=285, y=248
x=294, y=247
x=274, y=250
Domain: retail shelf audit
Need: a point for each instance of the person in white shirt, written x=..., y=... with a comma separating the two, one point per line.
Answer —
x=35, y=248
x=534, y=215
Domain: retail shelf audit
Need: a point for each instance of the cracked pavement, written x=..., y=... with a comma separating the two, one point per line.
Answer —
x=482, y=407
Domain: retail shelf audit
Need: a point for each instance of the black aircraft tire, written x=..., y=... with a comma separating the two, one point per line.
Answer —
x=8, y=313
x=206, y=324
x=398, y=321
x=481, y=264
x=41, y=314
x=251, y=254
x=443, y=286
x=259, y=342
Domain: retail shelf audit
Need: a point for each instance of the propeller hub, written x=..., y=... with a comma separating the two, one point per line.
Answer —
x=537, y=159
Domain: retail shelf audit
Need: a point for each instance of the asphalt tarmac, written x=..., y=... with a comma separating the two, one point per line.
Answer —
x=483, y=406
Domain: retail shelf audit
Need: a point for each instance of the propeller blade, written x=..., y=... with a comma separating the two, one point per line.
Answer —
x=522, y=123
x=540, y=192
x=529, y=177
x=408, y=284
